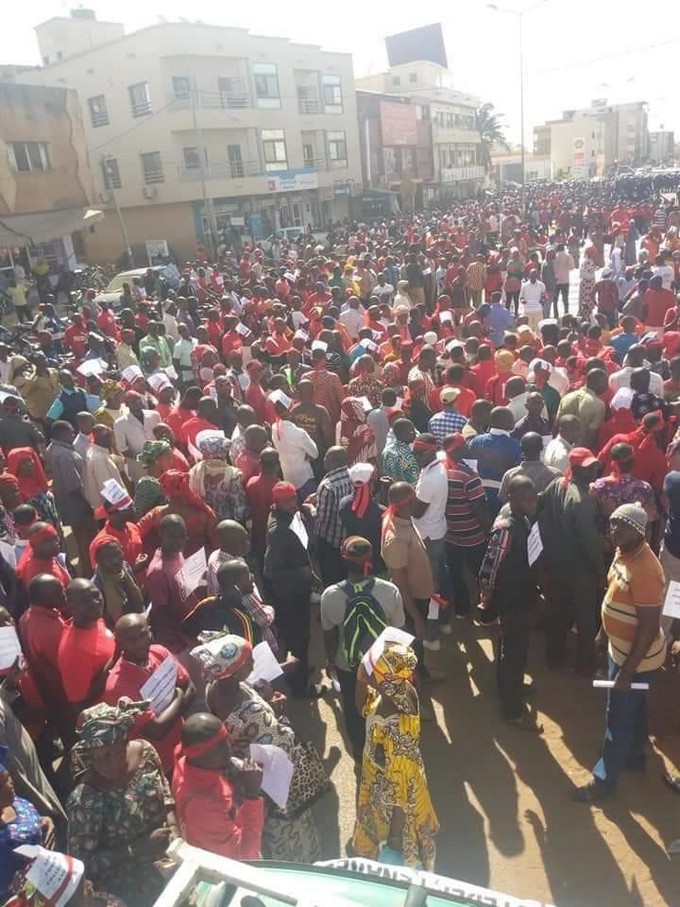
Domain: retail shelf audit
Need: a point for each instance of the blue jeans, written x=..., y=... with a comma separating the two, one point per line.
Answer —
x=625, y=734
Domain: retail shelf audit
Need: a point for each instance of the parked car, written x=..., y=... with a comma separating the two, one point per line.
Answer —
x=293, y=234
x=113, y=291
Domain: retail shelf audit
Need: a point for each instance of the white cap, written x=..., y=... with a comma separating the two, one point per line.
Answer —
x=319, y=345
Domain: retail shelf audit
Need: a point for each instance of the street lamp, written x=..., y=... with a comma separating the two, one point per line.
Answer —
x=520, y=14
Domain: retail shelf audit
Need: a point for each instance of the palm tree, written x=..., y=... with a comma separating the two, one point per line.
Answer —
x=491, y=132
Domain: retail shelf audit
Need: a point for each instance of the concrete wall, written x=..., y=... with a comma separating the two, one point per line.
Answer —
x=173, y=223
x=51, y=116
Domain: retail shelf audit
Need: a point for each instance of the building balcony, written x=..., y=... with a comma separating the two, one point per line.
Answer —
x=238, y=99
x=223, y=170
x=309, y=105
x=460, y=174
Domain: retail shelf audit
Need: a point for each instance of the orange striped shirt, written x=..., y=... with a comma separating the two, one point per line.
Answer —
x=636, y=580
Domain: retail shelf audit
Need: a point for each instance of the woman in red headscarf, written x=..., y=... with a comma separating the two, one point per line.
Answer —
x=354, y=434
x=24, y=464
x=200, y=519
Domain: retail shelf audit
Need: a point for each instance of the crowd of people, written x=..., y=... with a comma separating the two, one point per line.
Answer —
x=422, y=423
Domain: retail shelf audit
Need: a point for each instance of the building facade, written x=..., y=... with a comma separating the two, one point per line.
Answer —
x=589, y=141
x=46, y=185
x=449, y=115
x=200, y=129
x=662, y=147
x=507, y=167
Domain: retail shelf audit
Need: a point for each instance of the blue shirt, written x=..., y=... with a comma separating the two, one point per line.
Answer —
x=495, y=452
x=623, y=342
x=497, y=323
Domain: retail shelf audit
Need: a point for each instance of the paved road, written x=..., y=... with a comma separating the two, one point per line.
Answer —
x=503, y=796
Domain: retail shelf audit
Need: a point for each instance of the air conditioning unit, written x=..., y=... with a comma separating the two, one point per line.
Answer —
x=149, y=192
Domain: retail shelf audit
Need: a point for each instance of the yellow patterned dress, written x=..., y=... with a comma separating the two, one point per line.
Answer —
x=393, y=775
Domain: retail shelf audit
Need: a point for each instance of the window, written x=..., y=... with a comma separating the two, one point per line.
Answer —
x=152, y=168
x=308, y=155
x=274, y=149
x=413, y=77
x=181, y=88
x=422, y=113
x=140, y=99
x=337, y=148
x=396, y=80
x=99, y=115
x=331, y=87
x=111, y=173
x=266, y=80
x=192, y=160
x=28, y=156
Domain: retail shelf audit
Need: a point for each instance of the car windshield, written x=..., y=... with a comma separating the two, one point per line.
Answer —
x=118, y=281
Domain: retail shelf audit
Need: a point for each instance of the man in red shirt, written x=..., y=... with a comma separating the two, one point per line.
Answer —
x=107, y=322
x=75, y=337
x=260, y=498
x=657, y=302
x=140, y=657
x=42, y=555
x=455, y=377
x=204, y=420
x=232, y=342
x=209, y=814
x=40, y=629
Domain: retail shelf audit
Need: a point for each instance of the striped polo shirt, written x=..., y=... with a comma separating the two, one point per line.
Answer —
x=636, y=581
x=462, y=526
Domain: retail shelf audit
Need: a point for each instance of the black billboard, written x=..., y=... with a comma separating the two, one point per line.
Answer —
x=425, y=43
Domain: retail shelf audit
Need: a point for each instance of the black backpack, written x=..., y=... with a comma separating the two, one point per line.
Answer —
x=364, y=619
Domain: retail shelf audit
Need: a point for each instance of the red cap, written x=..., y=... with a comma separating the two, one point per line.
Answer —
x=581, y=456
x=283, y=491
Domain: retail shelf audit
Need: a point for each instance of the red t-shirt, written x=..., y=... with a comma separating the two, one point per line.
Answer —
x=127, y=679
x=260, y=498
x=658, y=302
x=83, y=653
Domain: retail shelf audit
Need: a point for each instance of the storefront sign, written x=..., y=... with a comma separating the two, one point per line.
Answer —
x=293, y=180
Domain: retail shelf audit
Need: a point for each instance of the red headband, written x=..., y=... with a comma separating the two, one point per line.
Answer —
x=42, y=535
x=421, y=445
x=283, y=491
x=194, y=750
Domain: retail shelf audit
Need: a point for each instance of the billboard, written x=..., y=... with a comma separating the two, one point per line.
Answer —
x=398, y=123
x=579, y=164
x=425, y=43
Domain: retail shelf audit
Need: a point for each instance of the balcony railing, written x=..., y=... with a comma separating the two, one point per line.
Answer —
x=308, y=105
x=214, y=100
x=229, y=170
x=99, y=118
x=141, y=108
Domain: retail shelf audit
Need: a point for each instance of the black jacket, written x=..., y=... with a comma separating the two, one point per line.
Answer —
x=287, y=567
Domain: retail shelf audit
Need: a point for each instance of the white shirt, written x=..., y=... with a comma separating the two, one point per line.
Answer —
x=557, y=454
x=383, y=293
x=354, y=320
x=531, y=295
x=170, y=323
x=666, y=273
x=99, y=466
x=130, y=434
x=622, y=379
x=296, y=449
x=432, y=488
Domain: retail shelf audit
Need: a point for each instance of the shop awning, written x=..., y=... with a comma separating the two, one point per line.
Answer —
x=43, y=226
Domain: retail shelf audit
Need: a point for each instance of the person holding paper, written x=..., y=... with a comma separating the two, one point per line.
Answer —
x=219, y=808
x=296, y=449
x=227, y=662
x=139, y=658
x=636, y=648
x=132, y=430
x=288, y=576
x=507, y=586
x=100, y=466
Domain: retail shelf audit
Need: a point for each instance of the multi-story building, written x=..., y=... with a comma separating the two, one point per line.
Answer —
x=46, y=185
x=196, y=128
x=507, y=166
x=589, y=141
x=457, y=168
x=395, y=137
x=661, y=147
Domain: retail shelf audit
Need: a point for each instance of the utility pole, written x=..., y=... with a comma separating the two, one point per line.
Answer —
x=108, y=180
x=202, y=161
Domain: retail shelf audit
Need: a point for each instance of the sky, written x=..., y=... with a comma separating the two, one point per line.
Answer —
x=573, y=52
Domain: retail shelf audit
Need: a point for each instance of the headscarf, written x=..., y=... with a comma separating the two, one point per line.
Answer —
x=101, y=541
x=504, y=360
x=36, y=483
x=214, y=445
x=109, y=389
x=104, y=725
x=152, y=450
x=222, y=656
x=45, y=532
x=360, y=475
x=7, y=480
x=393, y=676
x=283, y=491
x=175, y=486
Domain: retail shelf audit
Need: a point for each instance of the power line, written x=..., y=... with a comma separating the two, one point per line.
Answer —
x=612, y=56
